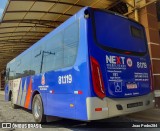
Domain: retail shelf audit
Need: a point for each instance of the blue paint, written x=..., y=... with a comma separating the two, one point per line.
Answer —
x=58, y=103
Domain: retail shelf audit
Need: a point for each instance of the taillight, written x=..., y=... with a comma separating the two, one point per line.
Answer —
x=98, y=84
x=151, y=78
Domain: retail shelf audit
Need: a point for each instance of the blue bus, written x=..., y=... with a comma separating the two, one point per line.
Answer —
x=94, y=66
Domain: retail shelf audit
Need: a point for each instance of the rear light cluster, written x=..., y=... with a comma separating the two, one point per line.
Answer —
x=151, y=78
x=98, y=109
x=98, y=84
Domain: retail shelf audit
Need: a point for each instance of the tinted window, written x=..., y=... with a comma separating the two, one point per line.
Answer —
x=136, y=32
x=53, y=55
x=115, y=32
x=12, y=68
x=71, y=39
x=62, y=49
x=57, y=52
x=36, y=60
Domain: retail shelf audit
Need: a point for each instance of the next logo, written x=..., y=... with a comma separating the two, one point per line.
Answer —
x=115, y=59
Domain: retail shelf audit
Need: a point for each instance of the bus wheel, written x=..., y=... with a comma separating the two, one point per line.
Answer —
x=12, y=104
x=38, y=110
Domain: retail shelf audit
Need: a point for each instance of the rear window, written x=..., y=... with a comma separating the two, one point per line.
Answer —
x=136, y=32
x=119, y=33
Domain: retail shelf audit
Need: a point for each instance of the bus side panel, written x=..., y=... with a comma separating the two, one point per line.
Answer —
x=61, y=105
x=8, y=89
x=20, y=92
x=21, y=89
x=24, y=92
x=82, y=86
x=63, y=99
x=15, y=89
x=6, y=97
x=36, y=87
x=82, y=77
x=60, y=97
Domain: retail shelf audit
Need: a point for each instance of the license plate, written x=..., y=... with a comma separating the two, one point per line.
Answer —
x=131, y=105
x=131, y=86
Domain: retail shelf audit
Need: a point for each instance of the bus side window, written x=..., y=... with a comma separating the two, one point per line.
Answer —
x=136, y=32
x=54, y=59
x=12, y=73
x=59, y=52
x=63, y=48
x=18, y=73
x=36, y=61
x=71, y=42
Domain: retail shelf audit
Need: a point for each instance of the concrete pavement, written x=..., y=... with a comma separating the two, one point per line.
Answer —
x=7, y=114
x=1, y=92
x=151, y=115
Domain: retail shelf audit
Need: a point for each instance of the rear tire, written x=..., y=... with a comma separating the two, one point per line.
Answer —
x=38, y=110
x=12, y=104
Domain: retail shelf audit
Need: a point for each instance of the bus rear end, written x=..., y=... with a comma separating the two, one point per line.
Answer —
x=120, y=67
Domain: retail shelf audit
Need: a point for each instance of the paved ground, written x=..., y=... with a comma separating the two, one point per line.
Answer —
x=1, y=92
x=151, y=115
x=7, y=114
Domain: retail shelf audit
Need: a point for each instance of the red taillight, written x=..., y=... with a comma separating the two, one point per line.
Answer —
x=98, y=84
x=98, y=109
x=151, y=78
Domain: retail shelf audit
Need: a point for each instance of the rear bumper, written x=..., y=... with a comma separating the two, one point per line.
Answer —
x=117, y=106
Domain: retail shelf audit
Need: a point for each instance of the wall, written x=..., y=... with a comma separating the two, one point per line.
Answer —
x=148, y=18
